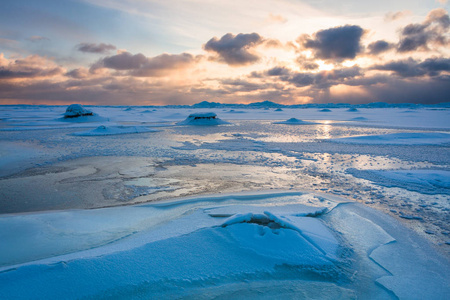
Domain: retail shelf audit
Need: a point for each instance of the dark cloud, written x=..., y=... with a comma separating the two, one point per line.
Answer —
x=122, y=61
x=78, y=73
x=140, y=65
x=278, y=71
x=336, y=43
x=413, y=68
x=95, y=48
x=379, y=47
x=235, y=50
x=309, y=65
x=432, y=32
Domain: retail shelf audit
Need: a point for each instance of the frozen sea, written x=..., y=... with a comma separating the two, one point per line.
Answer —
x=144, y=202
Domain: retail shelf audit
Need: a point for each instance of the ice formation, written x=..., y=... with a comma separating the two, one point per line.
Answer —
x=114, y=130
x=206, y=247
x=207, y=118
x=76, y=110
x=294, y=121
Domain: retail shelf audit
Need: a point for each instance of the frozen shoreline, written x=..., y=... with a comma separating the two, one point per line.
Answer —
x=72, y=171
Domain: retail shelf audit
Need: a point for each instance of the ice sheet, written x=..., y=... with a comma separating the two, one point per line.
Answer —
x=349, y=249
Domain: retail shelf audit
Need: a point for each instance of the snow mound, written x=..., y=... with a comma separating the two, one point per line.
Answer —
x=430, y=182
x=403, y=138
x=207, y=118
x=76, y=110
x=325, y=110
x=114, y=130
x=352, y=109
x=294, y=121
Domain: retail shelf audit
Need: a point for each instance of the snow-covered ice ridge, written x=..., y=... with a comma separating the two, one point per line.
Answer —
x=245, y=245
x=98, y=192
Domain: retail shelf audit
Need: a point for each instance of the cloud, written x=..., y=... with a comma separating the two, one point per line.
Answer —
x=391, y=16
x=272, y=18
x=235, y=50
x=142, y=66
x=420, y=36
x=29, y=67
x=37, y=38
x=413, y=68
x=379, y=47
x=319, y=80
x=336, y=43
x=95, y=48
x=78, y=73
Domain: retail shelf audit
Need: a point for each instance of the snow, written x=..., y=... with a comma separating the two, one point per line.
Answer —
x=336, y=210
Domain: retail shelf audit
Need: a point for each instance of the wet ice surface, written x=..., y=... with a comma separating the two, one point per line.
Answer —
x=46, y=165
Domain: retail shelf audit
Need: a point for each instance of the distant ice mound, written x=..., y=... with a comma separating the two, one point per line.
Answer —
x=208, y=119
x=114, y=130
x=325, y=110
x=76, y=110
x=294, y=121
x=352, y=109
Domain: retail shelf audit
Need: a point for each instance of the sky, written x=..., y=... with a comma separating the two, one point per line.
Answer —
x=154, y=52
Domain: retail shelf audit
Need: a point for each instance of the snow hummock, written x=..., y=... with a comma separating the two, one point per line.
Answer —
x=114, y=130
x=204, y=118
x=76, y=110
x=294, y=121
x=402, y=138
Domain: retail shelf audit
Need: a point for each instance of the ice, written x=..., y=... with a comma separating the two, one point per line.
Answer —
x=410, y=138
x=114, y=130
x=422, y=181
x=343, y=208
x=203, y=119
x=179, y=248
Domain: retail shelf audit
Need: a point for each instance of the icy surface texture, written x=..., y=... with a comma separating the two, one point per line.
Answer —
x=423, y=181
x=191, y=248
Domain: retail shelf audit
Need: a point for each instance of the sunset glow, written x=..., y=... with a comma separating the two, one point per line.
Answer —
x=150, y=52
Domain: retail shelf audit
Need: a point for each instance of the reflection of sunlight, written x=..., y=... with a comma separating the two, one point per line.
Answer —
x=326, y=128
